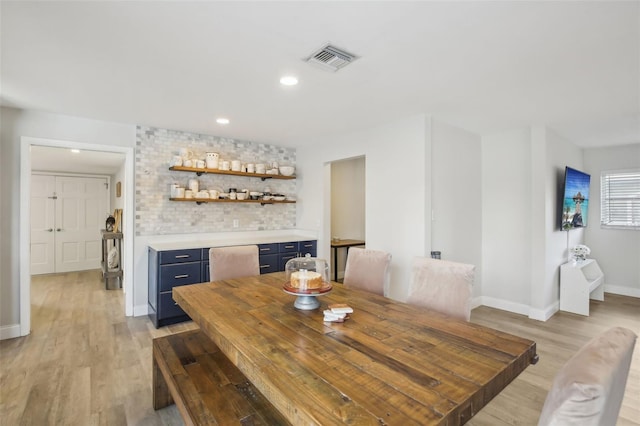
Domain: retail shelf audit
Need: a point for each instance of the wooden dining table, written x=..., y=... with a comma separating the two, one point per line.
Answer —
x=389, y=363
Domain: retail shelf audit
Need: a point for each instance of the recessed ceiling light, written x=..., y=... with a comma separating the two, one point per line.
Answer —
x=222, y=120
x=75, y=151
x=289, y=80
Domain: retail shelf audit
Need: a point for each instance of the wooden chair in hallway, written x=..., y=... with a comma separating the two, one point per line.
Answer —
x=588, y=390
x=233, y=262
x=367, y=270
x=443, y=286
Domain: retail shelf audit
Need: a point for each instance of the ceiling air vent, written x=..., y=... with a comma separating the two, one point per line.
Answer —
x=331, y=58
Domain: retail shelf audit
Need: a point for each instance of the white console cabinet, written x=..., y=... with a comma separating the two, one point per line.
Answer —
x=579, y=282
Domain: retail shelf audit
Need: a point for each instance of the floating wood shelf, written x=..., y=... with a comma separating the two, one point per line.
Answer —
x=199, y=172
x=210, y=200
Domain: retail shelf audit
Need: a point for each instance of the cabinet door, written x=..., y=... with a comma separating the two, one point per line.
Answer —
x=205, y=274
x=308, y=247
x=168, y=307
x=283, y=258
x=268, y=263
x=179, y=274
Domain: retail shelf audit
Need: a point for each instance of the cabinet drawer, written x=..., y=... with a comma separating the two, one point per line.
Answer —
x=167, y=307
x=178, y=256
x=288, y=247
x=284, y=258
x=268, y=263
x=179, y=274
x=308, y=247
x=267, y=248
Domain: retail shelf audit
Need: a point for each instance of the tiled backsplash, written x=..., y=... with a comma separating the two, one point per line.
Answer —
x=156, y=214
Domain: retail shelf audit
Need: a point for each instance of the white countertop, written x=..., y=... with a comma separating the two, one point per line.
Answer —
x=190, y=241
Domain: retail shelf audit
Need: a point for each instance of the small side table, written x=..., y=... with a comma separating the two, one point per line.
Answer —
x=112, y=277
x=335, y=245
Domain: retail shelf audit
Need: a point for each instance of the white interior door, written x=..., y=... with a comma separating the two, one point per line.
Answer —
x=42, y=224
x=81, y=210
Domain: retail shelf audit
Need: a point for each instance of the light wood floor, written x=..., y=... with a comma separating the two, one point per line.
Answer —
x=85, y=363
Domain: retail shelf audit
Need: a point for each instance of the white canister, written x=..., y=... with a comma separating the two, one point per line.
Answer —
x=251, y=168
x=213, y=193
x=172, y=190
x=179, y=192
x=236, y=165
x=188, y=193
x=212, y=160
x=225, y=165
x=194, y=185
x=260, y=168
x=186, y=153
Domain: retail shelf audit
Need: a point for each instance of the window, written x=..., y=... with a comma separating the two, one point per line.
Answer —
x=620, y=199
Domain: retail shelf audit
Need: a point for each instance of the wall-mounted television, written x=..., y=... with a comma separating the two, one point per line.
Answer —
x=575, y=201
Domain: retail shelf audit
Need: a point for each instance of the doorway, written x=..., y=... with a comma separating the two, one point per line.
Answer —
x=27, y=144
x=348, y=204
x=67, y=213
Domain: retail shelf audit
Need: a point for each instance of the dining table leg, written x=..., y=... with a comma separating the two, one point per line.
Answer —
x=335, y=264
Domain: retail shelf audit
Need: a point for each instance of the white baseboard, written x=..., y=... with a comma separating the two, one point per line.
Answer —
x=516, y=308
x=9, y=331
x=622, y=291
x=140, y=310
x=504, y=305
x=544, y=314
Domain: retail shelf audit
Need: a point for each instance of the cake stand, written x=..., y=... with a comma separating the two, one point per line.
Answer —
x=306, y=300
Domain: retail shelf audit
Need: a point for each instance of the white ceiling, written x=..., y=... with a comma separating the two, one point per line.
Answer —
x=52, y=159
x=485, y=66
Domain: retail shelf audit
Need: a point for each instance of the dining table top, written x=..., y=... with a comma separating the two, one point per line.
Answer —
x=389, y=363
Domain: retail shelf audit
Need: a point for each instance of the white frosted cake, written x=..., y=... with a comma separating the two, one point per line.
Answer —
x=304, y=279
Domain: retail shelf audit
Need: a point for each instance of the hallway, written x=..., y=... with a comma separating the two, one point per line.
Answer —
x=84, y=363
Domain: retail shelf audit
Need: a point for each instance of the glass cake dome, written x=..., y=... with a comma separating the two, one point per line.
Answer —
x=307, y=278
x=307, y=274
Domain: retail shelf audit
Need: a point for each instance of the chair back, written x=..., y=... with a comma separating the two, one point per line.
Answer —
x=367, y=270
x=443, y=286
x=233, y=262
x=589, y=388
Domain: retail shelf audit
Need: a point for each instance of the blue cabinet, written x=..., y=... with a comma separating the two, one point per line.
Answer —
x=274, y=257
x=172, y=268
x=168, y=269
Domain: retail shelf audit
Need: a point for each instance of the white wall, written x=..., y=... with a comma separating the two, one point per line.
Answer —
x=14, y=125
x=347, y=203
x=558, y=153
x=617, y=251
x=457, y=196
x=506, y=220
x=396, y=183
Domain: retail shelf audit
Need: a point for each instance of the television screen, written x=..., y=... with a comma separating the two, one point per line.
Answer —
x=576, y=199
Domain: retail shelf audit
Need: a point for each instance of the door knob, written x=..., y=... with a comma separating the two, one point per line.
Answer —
x=50, y=230
x=59, y=229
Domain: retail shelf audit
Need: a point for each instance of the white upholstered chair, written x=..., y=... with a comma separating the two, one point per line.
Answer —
x=367, y=270
x=443, y=286
x=233, y=262
x=588, y=390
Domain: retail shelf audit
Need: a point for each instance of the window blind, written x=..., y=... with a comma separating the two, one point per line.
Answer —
x=620, y=199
